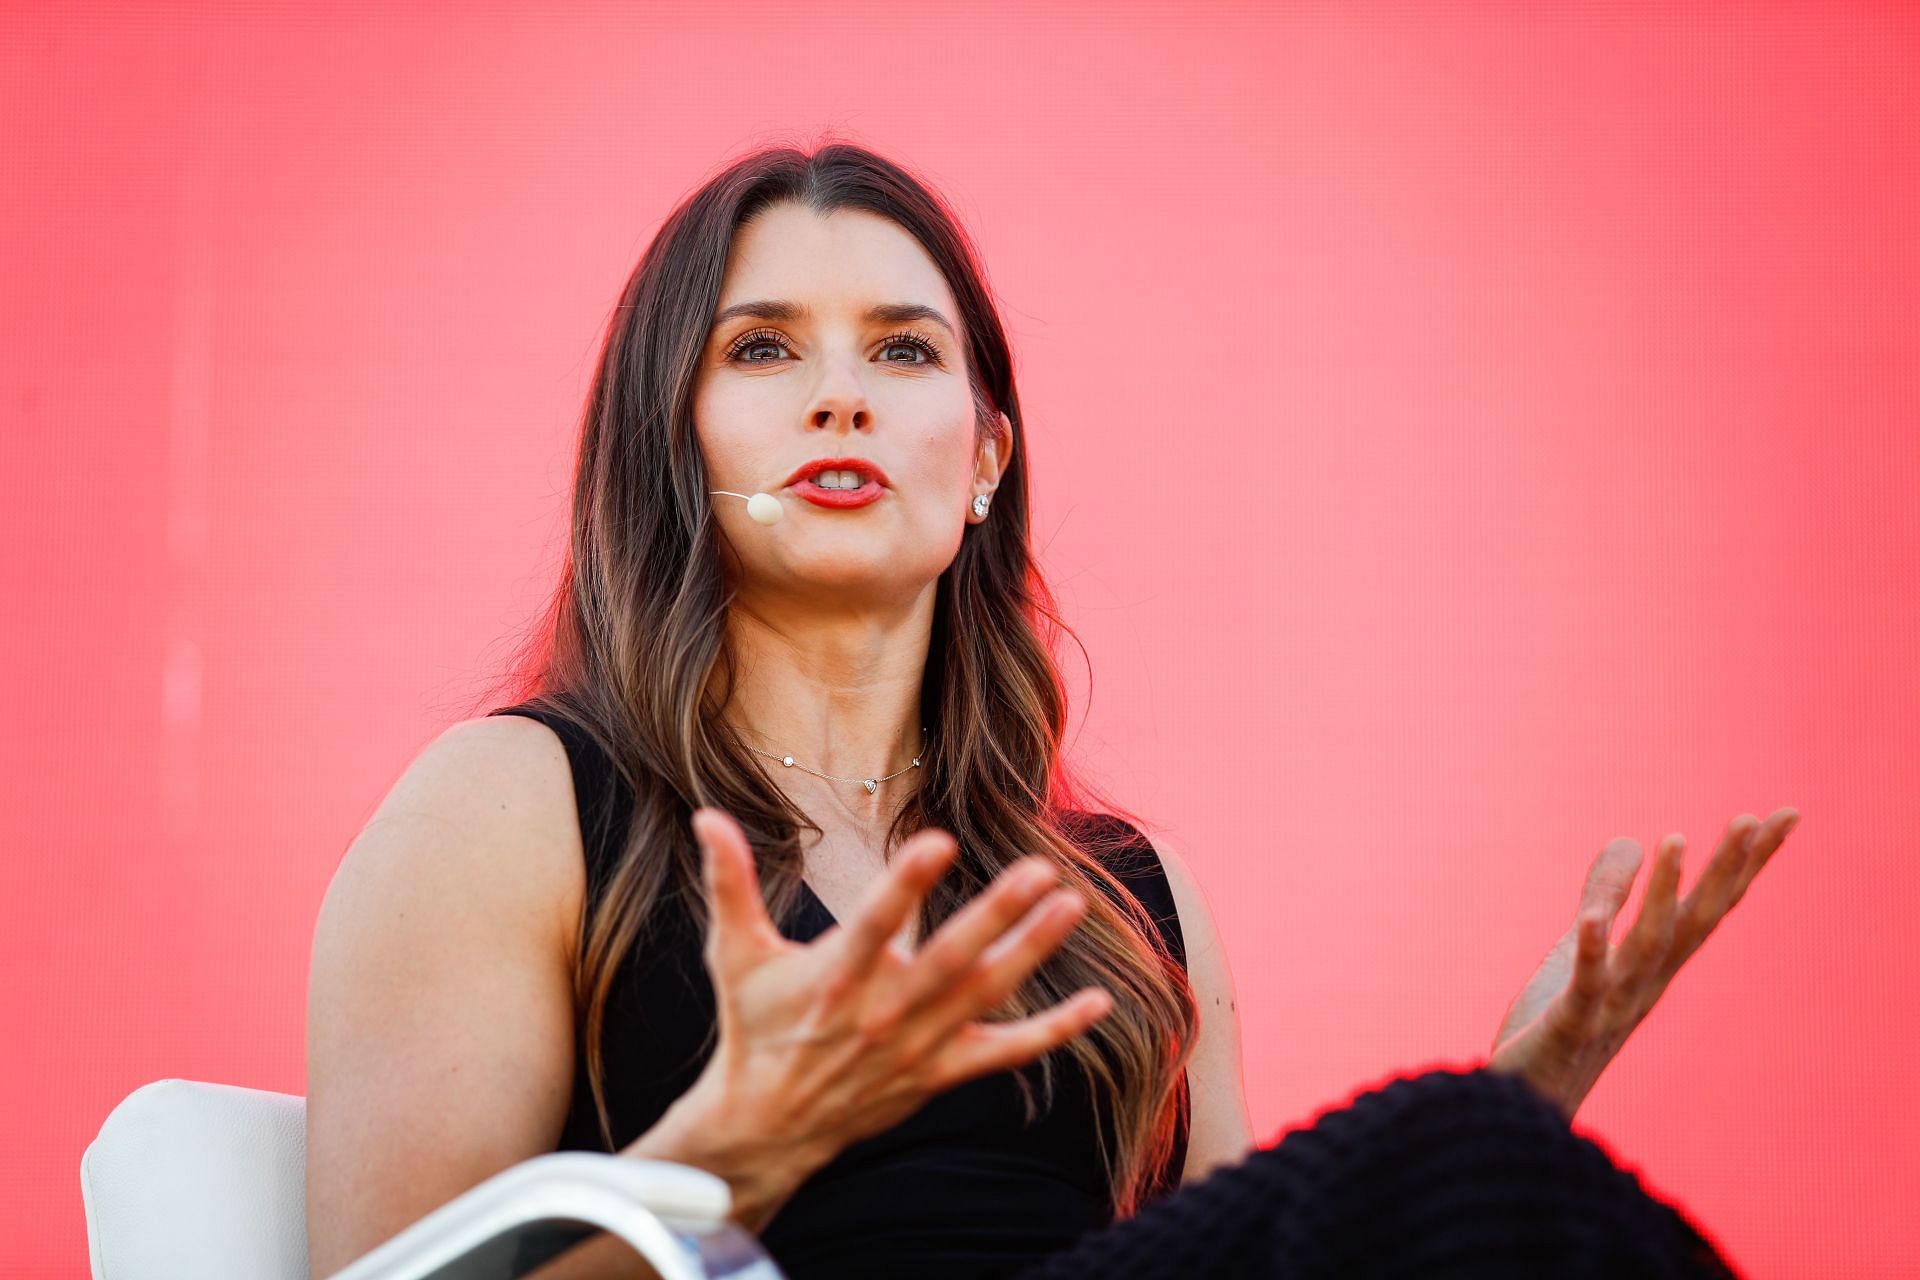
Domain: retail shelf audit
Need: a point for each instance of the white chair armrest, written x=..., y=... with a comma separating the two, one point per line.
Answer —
x=673, y=1215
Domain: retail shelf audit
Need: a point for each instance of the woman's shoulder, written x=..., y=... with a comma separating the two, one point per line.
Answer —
x=497, y=795
x=1114, y=842
x=599, y=798
x=1125, y=851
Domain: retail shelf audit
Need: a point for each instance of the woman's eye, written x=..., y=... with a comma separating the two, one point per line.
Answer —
x=746, y=344
x=913, y=341
x=751, y=341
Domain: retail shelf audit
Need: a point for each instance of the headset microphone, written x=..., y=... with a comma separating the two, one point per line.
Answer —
x=763, y=507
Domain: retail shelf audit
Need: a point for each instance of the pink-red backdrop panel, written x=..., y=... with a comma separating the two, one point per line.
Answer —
x=1462, y=433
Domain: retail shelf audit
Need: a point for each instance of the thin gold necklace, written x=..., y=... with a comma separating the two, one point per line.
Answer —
x=871, y=784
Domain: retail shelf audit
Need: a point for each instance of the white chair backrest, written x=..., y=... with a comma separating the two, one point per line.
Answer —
x=189, y=1180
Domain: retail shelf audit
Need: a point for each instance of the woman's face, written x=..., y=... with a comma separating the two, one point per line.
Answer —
x=817, y=376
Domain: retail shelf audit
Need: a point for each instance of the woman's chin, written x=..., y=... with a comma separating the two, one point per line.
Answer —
x=856, y=573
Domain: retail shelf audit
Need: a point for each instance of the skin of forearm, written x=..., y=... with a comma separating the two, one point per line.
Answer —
x=603, y=1257
x=761, y=1168
x=761, y=1175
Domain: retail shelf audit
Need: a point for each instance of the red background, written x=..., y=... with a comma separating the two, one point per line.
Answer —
x=1462, y=434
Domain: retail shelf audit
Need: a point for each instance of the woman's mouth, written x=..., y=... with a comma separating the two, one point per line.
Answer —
x=868, y=491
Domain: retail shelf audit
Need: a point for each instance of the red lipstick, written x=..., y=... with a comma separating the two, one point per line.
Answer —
x=870, y=490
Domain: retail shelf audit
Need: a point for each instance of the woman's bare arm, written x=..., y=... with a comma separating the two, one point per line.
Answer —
x=440, y=1024
x=1222, y=1133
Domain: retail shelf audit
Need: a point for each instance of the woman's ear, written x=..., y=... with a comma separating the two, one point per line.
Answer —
x=990, y=461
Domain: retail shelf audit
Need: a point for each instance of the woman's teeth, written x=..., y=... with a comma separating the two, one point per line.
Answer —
x=839, y=479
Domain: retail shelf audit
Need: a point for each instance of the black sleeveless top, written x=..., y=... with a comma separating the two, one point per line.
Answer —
x=962, y=1188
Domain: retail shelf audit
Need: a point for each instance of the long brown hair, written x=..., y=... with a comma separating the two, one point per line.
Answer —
x=634, y=637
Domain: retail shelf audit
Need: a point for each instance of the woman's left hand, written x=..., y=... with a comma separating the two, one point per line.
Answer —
x=1583, y=1001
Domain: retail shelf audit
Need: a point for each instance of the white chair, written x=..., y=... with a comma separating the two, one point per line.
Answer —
x=188, y=1180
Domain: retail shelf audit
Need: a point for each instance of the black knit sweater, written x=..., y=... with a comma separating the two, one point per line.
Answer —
x=1448, y=1174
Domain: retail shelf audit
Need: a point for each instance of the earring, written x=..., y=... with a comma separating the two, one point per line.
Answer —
x=980, y=501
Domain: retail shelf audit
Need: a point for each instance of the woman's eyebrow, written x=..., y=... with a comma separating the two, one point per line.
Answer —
x=884, y=313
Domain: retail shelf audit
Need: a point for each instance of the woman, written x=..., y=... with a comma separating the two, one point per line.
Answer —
x=772, y=865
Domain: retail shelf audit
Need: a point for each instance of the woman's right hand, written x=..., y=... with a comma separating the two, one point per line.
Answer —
x=823, y=1043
